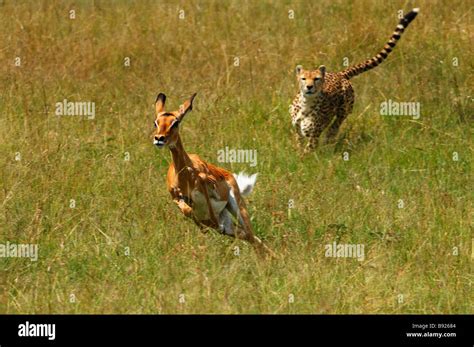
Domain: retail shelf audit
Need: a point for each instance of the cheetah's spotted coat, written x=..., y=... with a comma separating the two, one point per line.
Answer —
x=325, y=99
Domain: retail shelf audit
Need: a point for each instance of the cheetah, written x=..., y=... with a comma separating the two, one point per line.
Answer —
x=325, y=99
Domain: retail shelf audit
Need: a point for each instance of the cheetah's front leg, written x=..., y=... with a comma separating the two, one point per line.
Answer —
x=311, y=145
x=312, y=130
x=299, y=138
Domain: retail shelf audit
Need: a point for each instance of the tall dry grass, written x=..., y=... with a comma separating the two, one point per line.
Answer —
x=410, y=263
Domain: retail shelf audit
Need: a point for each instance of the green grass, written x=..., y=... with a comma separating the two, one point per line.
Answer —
x=122, y=204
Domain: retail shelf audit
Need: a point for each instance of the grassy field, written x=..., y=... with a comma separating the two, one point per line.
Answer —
x=122, y=246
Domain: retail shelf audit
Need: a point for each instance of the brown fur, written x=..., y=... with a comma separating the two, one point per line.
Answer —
x=189, y=173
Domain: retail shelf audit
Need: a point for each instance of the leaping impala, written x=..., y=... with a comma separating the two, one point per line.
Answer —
x=206, y=193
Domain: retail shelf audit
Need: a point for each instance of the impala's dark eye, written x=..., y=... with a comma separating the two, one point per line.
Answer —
x=155, y=124
x=303, y=79
x=175, y=124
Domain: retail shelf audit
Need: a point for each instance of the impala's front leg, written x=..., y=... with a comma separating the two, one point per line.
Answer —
x=178, y=199
x=201, y=184
x=184, y=207
x=188, y=211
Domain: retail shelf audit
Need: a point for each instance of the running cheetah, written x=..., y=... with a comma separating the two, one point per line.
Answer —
x=325, y=99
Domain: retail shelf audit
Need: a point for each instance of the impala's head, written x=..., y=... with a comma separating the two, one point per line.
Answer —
x=167, y=122
x=310, y=81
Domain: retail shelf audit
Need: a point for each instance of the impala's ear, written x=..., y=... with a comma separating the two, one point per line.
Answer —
x=298, y=69
x=322, y=68
x=160, y=103
x=186, y=107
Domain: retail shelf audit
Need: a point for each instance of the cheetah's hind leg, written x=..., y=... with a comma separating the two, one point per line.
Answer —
x=333, y=130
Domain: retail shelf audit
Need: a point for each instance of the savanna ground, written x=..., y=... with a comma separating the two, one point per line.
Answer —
x=125, y=247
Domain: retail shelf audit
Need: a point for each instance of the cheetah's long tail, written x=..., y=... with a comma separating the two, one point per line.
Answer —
x=380, y=57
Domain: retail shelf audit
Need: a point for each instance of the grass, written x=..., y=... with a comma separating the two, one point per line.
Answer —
x=125, y=247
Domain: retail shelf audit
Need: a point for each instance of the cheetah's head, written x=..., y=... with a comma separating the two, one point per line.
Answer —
x=310, y=81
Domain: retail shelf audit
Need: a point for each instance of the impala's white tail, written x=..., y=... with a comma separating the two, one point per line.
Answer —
x=245, y=182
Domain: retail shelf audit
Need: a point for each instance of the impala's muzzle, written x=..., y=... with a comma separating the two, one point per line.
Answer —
x=159, y=141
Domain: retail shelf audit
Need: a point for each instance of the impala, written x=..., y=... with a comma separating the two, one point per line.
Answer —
x=208, y=194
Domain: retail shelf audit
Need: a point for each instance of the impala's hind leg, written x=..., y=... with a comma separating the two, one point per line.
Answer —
x=226, y=225
x=243, y=230
x=238, y=209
